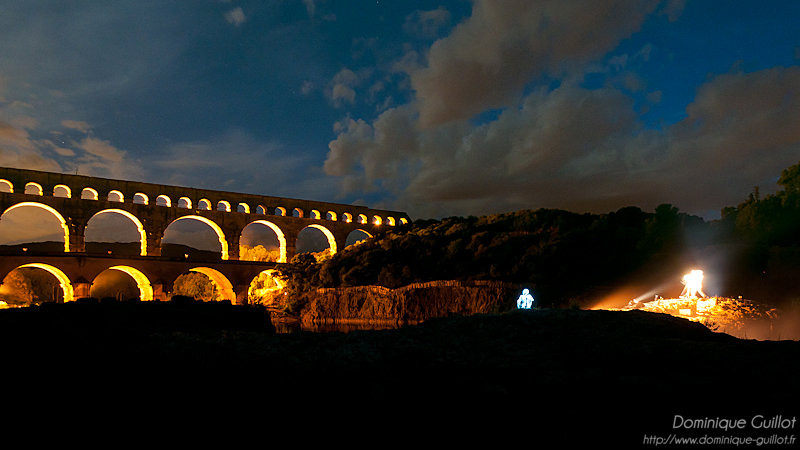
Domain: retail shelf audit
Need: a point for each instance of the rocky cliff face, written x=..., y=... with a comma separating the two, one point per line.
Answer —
x=410, y=304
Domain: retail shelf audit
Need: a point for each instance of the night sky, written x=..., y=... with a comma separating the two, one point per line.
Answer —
x=435, y=108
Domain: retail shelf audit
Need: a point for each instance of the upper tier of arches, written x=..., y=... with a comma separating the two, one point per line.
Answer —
x=41, y=184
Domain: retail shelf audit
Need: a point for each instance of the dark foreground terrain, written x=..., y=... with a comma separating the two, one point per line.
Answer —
x=577, y=376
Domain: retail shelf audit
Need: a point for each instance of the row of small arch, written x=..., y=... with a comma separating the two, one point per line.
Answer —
x=88, y=193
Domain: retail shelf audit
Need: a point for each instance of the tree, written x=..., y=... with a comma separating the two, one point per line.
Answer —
x=790, y=179
x=258, y=253
x=195, y=285
x=16, y=289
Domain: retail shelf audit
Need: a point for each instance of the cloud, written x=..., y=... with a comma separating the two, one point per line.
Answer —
x=76, y=125
x=235, y=16
x=580, y=149
x=307, y=87
x=26, y=143
x=18, y=149
x=342, y=87
x=488, y=59
x=311, y=8
x=739, y=123
x=101, y=149
x=97, y=157
x=426, y=24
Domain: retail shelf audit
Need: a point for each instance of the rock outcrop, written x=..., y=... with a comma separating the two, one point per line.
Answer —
x=410, y=304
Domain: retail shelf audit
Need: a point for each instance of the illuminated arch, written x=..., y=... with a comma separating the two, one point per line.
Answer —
x=145, y=288
x=33, y=188
x=403, y=220
x=66, y=285
x=315, y=214
x=377, y=220
x=328, y=235
x=297, y=212
x=352, y=237
x=390, y=221
x=141, y=199
x=204, y=204
x=243, y=207
x=348, y=217
x=280, y=211
x=185, y=203
x=223, y=243
x=61, y=190
x=280, y=284
x=223, y=205
x=163, y=200
x=51, y=210
x=223, y=284
x=6, y=186
x=137, y=222
x=278, y=232
x=331, y=215
x=116, y=196
x=362, y=218
x=260, y=209
x=89, y=194
x=253, y=291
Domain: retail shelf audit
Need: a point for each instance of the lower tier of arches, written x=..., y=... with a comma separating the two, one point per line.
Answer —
x=72, y=278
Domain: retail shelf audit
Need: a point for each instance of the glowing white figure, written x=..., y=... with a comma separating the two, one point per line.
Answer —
x=525, y=300
x=693, y=284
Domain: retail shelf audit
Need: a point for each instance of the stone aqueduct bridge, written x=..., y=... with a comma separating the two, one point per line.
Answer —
x=74, y=199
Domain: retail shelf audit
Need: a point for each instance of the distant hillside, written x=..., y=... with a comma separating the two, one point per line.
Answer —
x=34, y=247
x=561, y=255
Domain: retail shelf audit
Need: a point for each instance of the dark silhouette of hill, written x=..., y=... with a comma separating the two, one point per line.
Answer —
x=32, y=248
x=586, y=376
x=180, y=251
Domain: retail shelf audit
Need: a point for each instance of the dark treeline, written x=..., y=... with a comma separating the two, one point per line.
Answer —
x=566, y=257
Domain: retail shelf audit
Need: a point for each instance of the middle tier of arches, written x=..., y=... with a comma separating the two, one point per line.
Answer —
x=149, y=234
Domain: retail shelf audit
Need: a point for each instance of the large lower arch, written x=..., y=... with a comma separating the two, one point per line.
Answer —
x=222, y=242
x=145, y=288
x=328, y=236
x=264, y=288
x=356, y=236
x=48, y=209
x=66, y=285
x=223, y=284
x=278, y=233
x=139, y=227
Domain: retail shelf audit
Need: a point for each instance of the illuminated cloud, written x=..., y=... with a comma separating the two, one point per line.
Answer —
x=487, y=60
x=235, y=16
x=17, y=149
x=76, y=125
x=599, y=157
x=342, y=87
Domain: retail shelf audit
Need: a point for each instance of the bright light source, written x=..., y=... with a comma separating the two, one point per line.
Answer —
x=693, y=284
